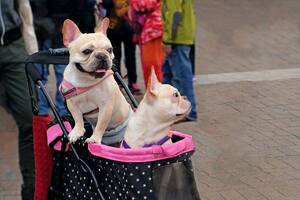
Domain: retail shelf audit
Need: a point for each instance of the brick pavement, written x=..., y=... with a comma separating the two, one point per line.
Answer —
x=243, y=35
x=248, y=140
x=247, y=136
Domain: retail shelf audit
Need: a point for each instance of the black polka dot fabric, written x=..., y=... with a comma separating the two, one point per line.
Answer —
x=165, y=179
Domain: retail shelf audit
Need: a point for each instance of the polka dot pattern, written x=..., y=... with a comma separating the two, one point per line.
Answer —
x=116, y=180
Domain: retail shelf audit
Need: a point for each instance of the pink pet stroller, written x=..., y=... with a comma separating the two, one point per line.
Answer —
x=97, y=171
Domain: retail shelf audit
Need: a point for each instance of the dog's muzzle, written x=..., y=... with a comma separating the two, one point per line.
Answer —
x=102, y=61
x=101, y=65
x=99, y=71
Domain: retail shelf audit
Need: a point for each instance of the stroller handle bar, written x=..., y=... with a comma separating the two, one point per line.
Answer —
x=61, y=56
x=51, y=56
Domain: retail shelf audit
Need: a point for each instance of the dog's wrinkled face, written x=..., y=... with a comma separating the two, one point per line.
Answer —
x=167, y=101
x=91, y=53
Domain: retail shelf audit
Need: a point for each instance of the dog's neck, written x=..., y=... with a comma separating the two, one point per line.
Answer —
x=145, y=130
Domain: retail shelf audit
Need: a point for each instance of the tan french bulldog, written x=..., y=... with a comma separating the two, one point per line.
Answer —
x=97, y=95
x=161, y=107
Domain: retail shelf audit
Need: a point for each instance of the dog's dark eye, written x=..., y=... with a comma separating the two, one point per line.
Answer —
x=87, y=51
x=109, y=50
x=175, y=94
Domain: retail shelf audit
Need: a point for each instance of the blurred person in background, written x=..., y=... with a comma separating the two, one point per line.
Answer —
x=120, y=31
x=145, y=17
x=48, y=19
x=45, y=30
x=179, y=32
x=17, y=41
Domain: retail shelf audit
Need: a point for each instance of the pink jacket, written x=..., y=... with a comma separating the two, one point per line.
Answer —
x=153, y=27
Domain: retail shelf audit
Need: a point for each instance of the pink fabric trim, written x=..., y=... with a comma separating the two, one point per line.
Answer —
x=54, y=131
x=79, y=90
x=156, y=152
x=146, y=154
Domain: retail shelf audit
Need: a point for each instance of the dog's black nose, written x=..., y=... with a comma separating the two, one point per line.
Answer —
x=100, y=56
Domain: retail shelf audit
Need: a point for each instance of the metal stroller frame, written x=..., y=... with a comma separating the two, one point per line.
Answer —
x=61, y=56
x=178, y=160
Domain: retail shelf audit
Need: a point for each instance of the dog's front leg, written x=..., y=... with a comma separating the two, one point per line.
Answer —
x=78, y=129
x=104, y=118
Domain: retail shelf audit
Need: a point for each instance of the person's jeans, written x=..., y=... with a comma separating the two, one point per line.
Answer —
x=177, y=71
x=13, y=80
x=44, y=72
x=192, y=57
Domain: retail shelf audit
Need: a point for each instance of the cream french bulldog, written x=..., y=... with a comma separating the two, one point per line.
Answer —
x=89, y=86
x=161, y=107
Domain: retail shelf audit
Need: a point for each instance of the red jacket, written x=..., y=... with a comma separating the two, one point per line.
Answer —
x=153, y=27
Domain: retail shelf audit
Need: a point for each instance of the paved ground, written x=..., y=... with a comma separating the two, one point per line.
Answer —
x=247, y=136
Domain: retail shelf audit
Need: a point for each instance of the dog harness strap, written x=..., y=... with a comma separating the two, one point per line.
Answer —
x=160, y=142
x=69, y=90
x=125, y=145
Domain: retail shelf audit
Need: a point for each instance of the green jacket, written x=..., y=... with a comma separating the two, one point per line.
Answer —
x=179, y=22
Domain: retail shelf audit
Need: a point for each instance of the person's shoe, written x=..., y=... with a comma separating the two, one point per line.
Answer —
x=135, y=89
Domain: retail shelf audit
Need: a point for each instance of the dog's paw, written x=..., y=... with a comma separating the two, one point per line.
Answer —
x=93, y=139
x=75, y=134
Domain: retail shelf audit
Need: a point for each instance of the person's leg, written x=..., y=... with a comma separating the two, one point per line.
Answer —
x=166, y=70
x=116, y=44
x=44, y=72
x=15, y=84
x=130, y=60
x=59, y=99
x=42, y=102
x=160, y=57
x=152, y=55
x=192, y=57
x=146, y=71
x=183, y=76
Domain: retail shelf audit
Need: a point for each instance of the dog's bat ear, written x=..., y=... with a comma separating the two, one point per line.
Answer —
x=153, y=83
x=70, y=31
x=104, y=25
